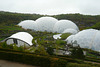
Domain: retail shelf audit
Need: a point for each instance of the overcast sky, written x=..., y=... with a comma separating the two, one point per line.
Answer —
x=51, y=7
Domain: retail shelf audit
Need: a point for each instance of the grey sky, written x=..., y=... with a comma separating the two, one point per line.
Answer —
x=51, y=6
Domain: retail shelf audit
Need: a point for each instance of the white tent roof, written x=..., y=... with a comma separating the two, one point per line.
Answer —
x=24, y=36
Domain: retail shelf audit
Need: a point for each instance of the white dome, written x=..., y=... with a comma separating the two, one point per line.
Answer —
x=21, y=37
x=72, y=31
x=89, y=38
x=28, y=24
x=70, y=39
x=57, y=36
x=61, y=25
x=46, y=24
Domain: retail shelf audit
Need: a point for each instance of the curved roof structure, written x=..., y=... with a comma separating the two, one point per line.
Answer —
x=70, y=39
x=23, y=36
x=62, y=25
x=89, y=38
x=46, y=24
x=72, y=31
x=28, y=24
x=57, y=36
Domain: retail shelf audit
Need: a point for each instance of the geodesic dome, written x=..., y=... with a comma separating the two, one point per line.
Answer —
x=72, y=31
x=46, y=24
x=28, y=24
x=20, y=39
x=70, y=39
x=57, y=36
x=89, y=38
x=61, y=25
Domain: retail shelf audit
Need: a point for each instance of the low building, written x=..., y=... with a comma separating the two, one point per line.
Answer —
x=20, y=39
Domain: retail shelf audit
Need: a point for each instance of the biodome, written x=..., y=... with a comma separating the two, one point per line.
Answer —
x=62, y=25
x=20, y=39
x=45, y=24
x=72, y=31
x=70, y=39
x=28, y=24
x=89, y=38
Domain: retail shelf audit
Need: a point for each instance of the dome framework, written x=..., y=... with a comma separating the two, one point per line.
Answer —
x=89, y=38
x=20, y=39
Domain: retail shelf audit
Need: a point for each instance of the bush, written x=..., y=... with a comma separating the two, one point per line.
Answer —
x=50, y=50
x=41, y=50
x=33, y=59
x=25, y=58
x=4, y=45
x=77, y=52
x=65, y=35
x=78, y=65
x=92, y=59
x=58, y=63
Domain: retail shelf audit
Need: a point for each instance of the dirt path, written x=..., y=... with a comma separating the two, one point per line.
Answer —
x=4, y=63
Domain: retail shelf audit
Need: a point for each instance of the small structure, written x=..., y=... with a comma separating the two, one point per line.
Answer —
x=57, y=36
x=20, y=39
x=72, y=31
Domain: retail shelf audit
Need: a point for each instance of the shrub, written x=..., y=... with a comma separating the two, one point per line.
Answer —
x=65, y=35
x=41, y=50
x=56, y=62
x=4, y=45
x=50, y=50
x=77, y=52
x=78, y=65
x=25, y=58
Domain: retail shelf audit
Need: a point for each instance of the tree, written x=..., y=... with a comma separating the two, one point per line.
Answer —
x=50, y=50
x=77, y=52
x=41, y=50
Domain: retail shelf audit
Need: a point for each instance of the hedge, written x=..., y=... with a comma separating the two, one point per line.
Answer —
x=92, y=59
x=36, y=59
x=32, y=59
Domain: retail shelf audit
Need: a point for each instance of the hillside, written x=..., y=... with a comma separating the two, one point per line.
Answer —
x=83, y=21
x=42, y=52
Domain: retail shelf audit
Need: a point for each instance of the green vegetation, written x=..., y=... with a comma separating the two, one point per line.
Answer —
x=42, y=53
x=64, y=36
x=81, y=65
x=77, y=52
x=96, y=26
x=82, y=21
x=50, y=50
